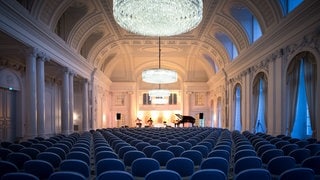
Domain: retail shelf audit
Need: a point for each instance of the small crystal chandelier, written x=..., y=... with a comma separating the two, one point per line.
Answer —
x=158, y=17
x=159, y=76
x=159, y=93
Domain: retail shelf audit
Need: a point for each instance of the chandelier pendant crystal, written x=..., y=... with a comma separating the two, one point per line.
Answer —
x=159, y=76
x=158, y=17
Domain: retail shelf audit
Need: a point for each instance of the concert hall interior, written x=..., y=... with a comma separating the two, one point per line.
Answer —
x=70, y=72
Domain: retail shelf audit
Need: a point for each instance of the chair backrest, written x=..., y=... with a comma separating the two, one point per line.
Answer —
x=182, y=165
x=80, y=156
x=142, y=166
x=40, y=168
x=312, y=162
x=63, y=146
x=18, y=158
x=162, y=174
x=220, y=153
x=81, y=149
x=4, y=152
x=163, y=156
x=176, y=150
x=194, y=155
x=132, y=155
x=300, y=154
x=120, y=145
x=270, y=154
x=32, y=152
x=105, y=154
x=40, y=147
x=202, y=148
x=141, y=145
x=258, y=173
x=19, y=175
x=7, y=167
x=121, y=175
x=60, y=152
x=208, y=174
x=279, y=164
x=125, y=149
x=249, y=162
x=15, y=147
x=282, y=143
x=314, y=148
x=297, y=174
x=149, y=150
x=58, y=175
x=287, y=149
x=244, y=153
x=50, y=157
x=75, y=165
x=185, y=145
x=164, y=145
x=215, y=163
x=108, y=165
x=264, y=148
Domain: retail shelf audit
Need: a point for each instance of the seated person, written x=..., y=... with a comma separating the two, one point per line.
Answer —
x=150, y=122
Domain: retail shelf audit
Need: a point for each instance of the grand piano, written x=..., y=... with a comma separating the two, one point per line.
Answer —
x=184, y=119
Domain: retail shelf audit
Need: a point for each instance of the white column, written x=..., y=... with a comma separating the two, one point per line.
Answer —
x=65, y=103
x=71, y=102
x=41, y=95
x=31, y=96
x=85, y=105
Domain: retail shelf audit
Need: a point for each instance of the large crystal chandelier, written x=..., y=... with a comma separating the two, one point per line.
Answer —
x=159, y=76
x=158, y=17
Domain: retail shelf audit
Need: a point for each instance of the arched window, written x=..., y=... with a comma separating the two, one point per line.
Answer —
x=301, y=86
x=289, y=5
x=237, y=108
x=259, y=91
x=228, y=45
x=248, y=22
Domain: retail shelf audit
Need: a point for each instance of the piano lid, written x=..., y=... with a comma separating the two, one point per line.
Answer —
x=185, y=117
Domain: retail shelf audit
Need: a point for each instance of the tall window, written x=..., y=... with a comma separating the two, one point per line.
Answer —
x=302, y=125
x=248, y=21
x=218, y=115
x=301, y=88
x=228, y=45
x=259, y=103
x=237, y=108
x=289, y=5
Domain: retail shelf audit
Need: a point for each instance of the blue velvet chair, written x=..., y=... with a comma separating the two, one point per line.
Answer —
x=108, y=165
x=163, y=174
x=279, y=164
x=249, y=162
x=142, y=166
x=256, y=174
x=219, y=163
x=18, y=158
x=208, y=174
x=194, y=155
x=118, y=175
x=75, y=165
x=7, y=167
x=297, y=174
x=176, y=150
x=182, y=165
x=40, y=168
x=19, y=176
x=149, y=150
x=163, y=156
x=69, y=175
x=50, y=157
x=312, y=162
